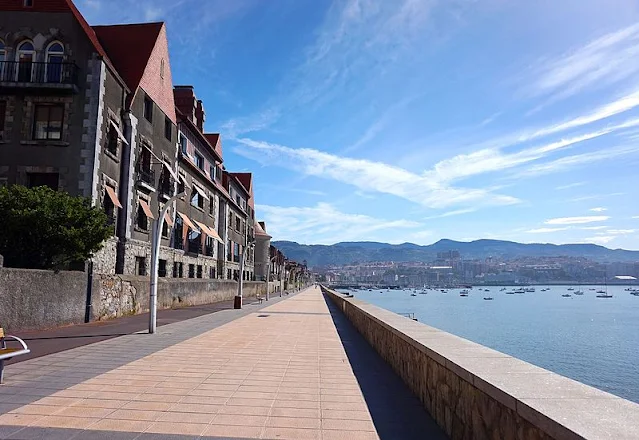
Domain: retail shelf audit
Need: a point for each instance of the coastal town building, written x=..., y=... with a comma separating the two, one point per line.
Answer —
x=85, y=111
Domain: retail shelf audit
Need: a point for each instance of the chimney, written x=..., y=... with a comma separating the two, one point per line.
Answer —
x=185, y=101
x=199, y=114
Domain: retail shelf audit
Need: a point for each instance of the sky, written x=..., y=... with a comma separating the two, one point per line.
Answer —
x=417, y=120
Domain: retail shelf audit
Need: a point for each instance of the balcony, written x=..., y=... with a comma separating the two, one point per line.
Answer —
x=167, y=185
x=146, y=176
x=30, y=75
x=195, y=247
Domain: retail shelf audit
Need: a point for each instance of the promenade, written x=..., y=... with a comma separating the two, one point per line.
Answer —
x=292, y=369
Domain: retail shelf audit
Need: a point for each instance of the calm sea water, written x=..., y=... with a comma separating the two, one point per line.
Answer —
x=589, y=339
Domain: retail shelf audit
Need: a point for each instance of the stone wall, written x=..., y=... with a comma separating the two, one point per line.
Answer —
x=122, y=295
x=40, y=299
x=474, y=392
x=37, y=299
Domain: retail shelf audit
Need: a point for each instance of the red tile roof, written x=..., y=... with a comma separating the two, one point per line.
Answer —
x=215, y=140
x=246, y=180
x=129, y=46
x=259, y=232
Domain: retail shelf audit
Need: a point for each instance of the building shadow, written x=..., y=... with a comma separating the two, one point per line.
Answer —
x=396, y=412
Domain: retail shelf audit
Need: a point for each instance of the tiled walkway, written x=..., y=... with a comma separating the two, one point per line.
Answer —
x=281, y=372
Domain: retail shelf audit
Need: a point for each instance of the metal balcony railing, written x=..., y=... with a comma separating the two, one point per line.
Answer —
x=195, y=247
x=38, y=73
x=167, y=185
x=146, y=175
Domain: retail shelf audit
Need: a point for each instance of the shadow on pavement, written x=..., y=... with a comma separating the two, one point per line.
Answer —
x=35, y=433
x=396, y=412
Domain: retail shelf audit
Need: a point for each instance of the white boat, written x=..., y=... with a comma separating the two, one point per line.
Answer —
x=578, y=292
x=604, y=293
x=566, y=295
x=520, y=290
x=571, y=288
x=488, y=298
x=530, y=289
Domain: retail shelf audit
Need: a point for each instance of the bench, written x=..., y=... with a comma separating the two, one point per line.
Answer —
x=7, y=353
x=259, y=299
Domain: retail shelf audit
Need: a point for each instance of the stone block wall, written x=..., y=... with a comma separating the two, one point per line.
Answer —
x=474, y=392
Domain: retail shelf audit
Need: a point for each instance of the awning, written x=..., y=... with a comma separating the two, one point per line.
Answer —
x=187, y=221
x=182, y=180
x=118, y=131
x=113, y=196
x=205, y=229
x=200, y=191
x=170, y=170
x=146, y=208
x=209, y=231
x=168, y=219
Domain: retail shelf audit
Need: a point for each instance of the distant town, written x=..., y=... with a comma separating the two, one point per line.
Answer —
x=451, y=268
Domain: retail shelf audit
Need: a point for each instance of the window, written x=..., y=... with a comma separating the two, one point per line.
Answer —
x=140, y=266
x=183, y=144
x=238, y=224
x=162, y=68
x=148, y=109
x=196, y=199
x=191, y=270
x=109, y=209
x=168, y=128
x=178, y=269
x=3, y=110
x=228, y=274
x=162, y=268
x=199, y=271
x=55, y=57
x=212, y=272
x=113, y=139
x=199, y=161
x=212, y=172
x=3, y=55
x=43, y=179
x=48, y=122
x=165, y=230
x=212, y=206
x=25, y=56
x=142, y=219
x=28, y=3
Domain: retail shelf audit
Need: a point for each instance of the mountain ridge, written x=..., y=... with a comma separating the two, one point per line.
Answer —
x=371, y=251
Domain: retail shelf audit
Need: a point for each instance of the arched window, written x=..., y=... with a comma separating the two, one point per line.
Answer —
x=25, y=56
x=55, y=57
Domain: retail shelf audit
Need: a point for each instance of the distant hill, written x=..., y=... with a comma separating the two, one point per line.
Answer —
x=349, y=252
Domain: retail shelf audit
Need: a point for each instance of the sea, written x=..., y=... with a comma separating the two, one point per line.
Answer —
x=589, y=339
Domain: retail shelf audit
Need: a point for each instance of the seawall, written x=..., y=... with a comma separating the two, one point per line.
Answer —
x=474, y=392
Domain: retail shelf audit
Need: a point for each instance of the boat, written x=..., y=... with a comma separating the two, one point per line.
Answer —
x=412, y=294
x=601, y=291
x=635, y=293
x=530, y=289
x=604, y=293
x=591, y=289
x=464, y=291
x=502, y=289
x=571, y=288
x=520, y=290
x=463, y=294
x=512, y=292
x=488, y=298
x=566, y=295
x=578, y=292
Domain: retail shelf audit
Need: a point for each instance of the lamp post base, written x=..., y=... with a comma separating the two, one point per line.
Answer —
x=237, y=302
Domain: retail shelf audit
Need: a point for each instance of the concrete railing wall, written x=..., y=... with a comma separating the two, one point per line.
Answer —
x=40, y=299
x=474, y=392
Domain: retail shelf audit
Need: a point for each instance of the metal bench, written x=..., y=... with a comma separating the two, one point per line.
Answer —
x=7, y=353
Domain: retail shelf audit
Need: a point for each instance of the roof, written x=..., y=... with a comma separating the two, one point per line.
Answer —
x=246, y=180
x=203, y=138
x=57, y=6
x=215, y=140
x=129, y=47
x=259, y=232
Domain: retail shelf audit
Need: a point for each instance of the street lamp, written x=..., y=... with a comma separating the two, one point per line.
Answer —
x=237, y=303
x=155, y=254
x=268, y=278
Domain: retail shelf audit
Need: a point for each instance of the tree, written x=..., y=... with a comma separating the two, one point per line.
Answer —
x=45, y=229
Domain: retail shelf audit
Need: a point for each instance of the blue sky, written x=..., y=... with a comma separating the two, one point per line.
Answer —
x=415, y=120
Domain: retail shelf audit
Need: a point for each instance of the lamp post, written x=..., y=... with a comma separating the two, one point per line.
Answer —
x=237, y=303
x=155, y=254
x=268, y=278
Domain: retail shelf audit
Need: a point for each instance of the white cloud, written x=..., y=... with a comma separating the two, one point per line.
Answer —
x=371, y=176
x=635, y=216
x=598, y=209
x=546, y=230
x=576, y=220
x=604, y=61
x=602, y=239
x=620, y=231
x=451, y=213
x=571, y=185
x=593, y=228
x=569, y=162
x=324, y=224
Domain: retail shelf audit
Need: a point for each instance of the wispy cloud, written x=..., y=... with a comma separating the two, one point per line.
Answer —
x=284, y=188
x=596, y=197
x=593, y=228
x=545, y=230
x=620, y=231
x=570, y=185
x=576, y=220
x=371, y=176
x=604, y=61
x=324, y=224
x=598, y=209
x=451, y=213
x=600, y=239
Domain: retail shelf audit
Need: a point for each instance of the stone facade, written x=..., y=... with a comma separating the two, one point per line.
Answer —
x=474, y=392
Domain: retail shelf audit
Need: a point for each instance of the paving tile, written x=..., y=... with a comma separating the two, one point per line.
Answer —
x=177, y=428
x=133, y=414
x=291, y=434
x=196, y=408
x=294, y=422
x=241, y=420
x=349, y=435
x=186, y=417
x=57, y=421
x=232, y=431
x=245, y=410
x=307, y=404
x=345, y=415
